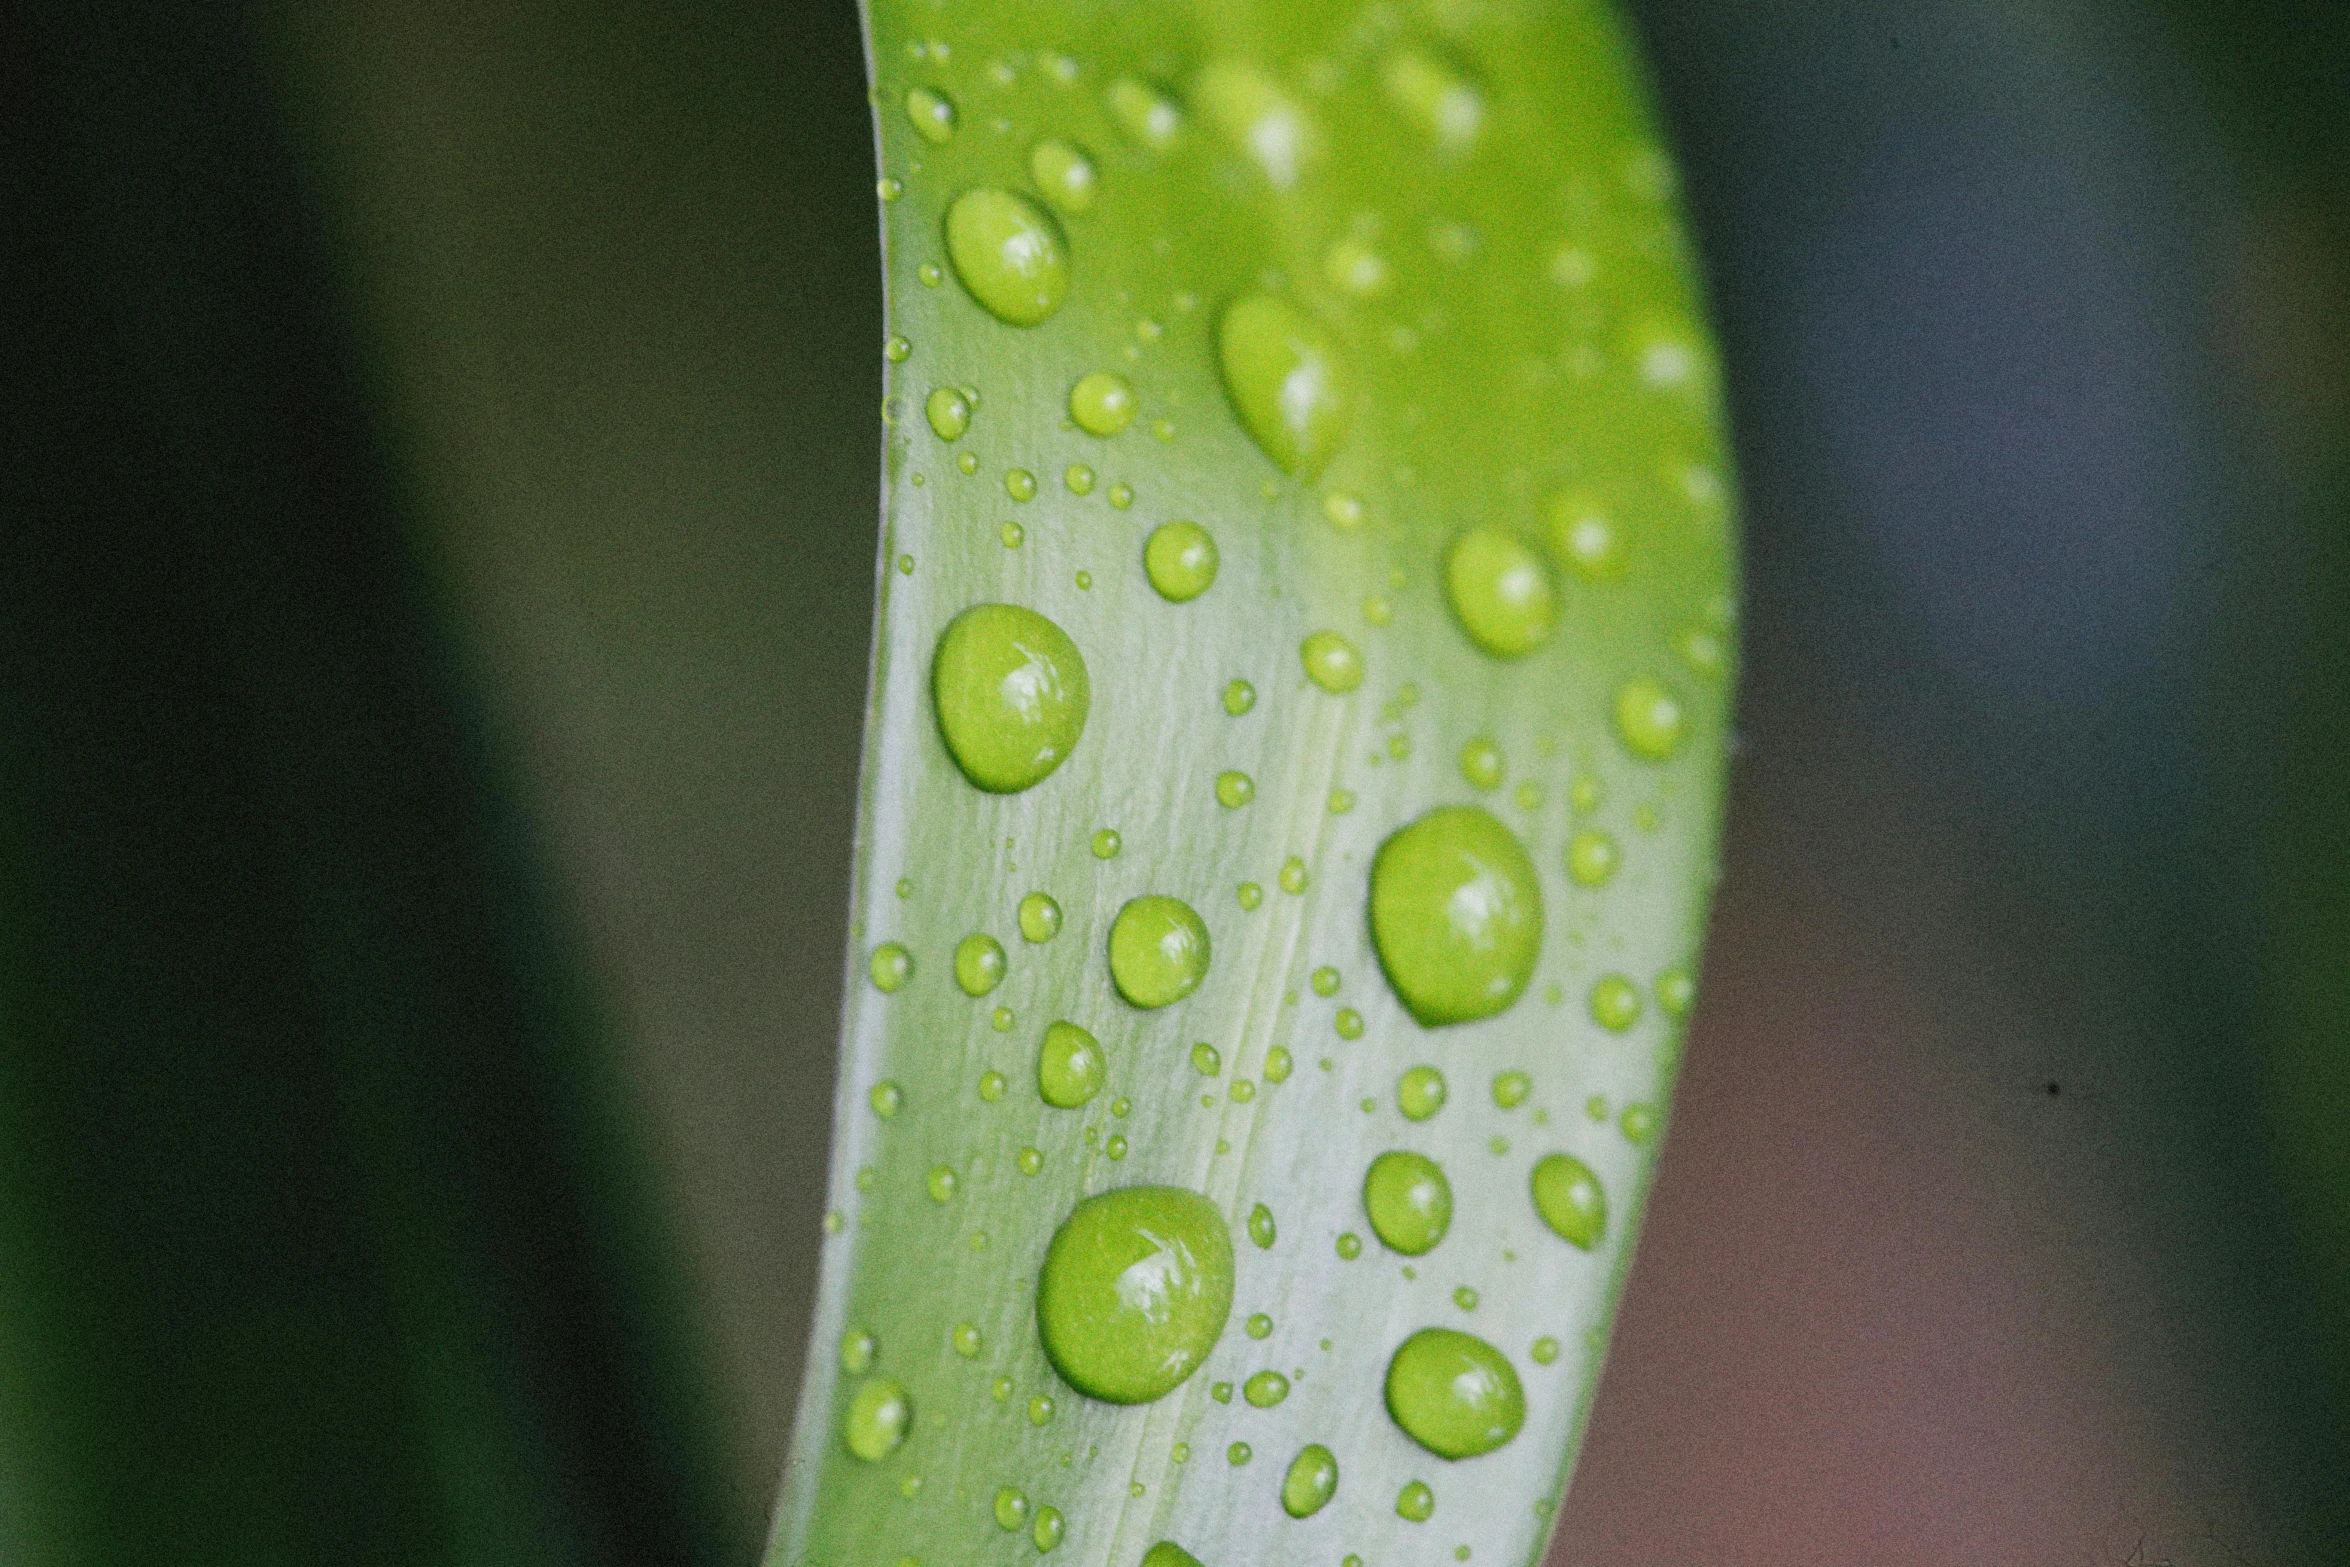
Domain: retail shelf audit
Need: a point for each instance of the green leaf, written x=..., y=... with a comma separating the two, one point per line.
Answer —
x=1323, y=398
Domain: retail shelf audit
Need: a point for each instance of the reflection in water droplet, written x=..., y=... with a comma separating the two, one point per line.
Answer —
x=1040, y=1410
x=1158, y=951
x=1102, y=403
x=979, y=963
x=1277, y=1065
x=1674, y=991
x=1070, y=1066
x=1456, y=915
x=1349, y=1023
x=1324, y=981
x=891, y=967
x=1409, y=1202
x=896, y=350
x=1287, y=382
x=1206, y=1059
x=1568, y=1197
x=966, y=1340
x=1180, y=560
x=992, y=1085
x=1331, y=662
x=1010, y=253
x=1454, y=1394
x=857, y=1349
x=942, y=1183
x=1011, y=693
x=877, y=1420
x=1020, y=484
x=1134, y=1292
x=1049, y=1527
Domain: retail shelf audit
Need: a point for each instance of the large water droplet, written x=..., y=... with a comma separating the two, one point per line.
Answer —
x=1064, y=174
x=1011, y=693
x=1286, y=380
x=1180, y=560
x=1102, y=403
x=1070, y=1066
x=1568, y=1196
x=1147, y=116
x=1010, y=253
x=1456, y=915
x=1649, y=719
x=1263, y=122
x=1049, y=1528
x=979, y=963
x=1135, y=1290
x=1409, y=1201
x=1331, y=662
x=1454, y=1394
x=879, y=1415
x=1311, y=1482
x=1158, y=950
x=1500, y=592
x=932, y=114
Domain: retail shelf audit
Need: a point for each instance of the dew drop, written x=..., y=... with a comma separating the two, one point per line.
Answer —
x=1134, y=1292
x=1001, y=1020
x=1106, y=844
x=1615, y=1003
x=887, y=1099
x=942, y=1183
x=1592, y=857
x=1454, y=1394
x=1064, y=174
x=1456, y=915
x=1419, y=1094
x=1040, y=1410
x=1331, y=662
x=889, y=188
x=1568, y=1197
x=1583, y=536
x=1415, y=1503
x=1481, y=764
x=1121, y=496
x=1261, y=1229
x=1206, y=1059
x=979, y=963
x=1145, y=114
x=1116, y=1146
x=1243, y=1091
x=1011, y=693
x=992, y=1085
x=1070, y=1067
x=896, y=350
x=967, y=463
x=1239, y=1453
x=1311, y=1482
x=1355, y=268
x=1010, y=254
x=1293, y=875
x=1158, y=951
x=1049, y=1529
x=1649, y=719
x=1511, y=1088
x=1250, y=895
x=1435, y=96
x=1500, y=592
x=1324, y=981
x=857, y=1349
x=1079, y=479
x=1465, y=1298
x=1350, y=1246
x=1349, y=1023
x=932, y=114
x=1638, y=1123
x=1239, y=697
x=892, y=966
x=1344, y=511
x=1234, y=790
x=931, y=274
x=1011, y=1508
x=1277, y=1065
x=1020, y=484
x=966, y=1340
x=1259, y=1326
x=1287, y=383
x=879, y=1415
x=1674, y=992
x=1546, y=1350
x=1180, y=560
x=1409, y=1202
x=1261, y=120
x=1040, y=918
x=1102, y=403
x=1265, y=1389
x=1030, y=1161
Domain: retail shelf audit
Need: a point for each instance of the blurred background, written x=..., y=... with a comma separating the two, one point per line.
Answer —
x=436, y=537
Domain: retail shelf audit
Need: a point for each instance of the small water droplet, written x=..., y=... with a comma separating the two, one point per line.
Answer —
x=1011, y=1508
x=1265, y=1389
x=1649, y=719
x=931, y=274
x=1500, y=592
x=1020, y=484
x=1040, y=1410
x=857, y=1349
x=1239, y=697
x=1134, y=1292
x=1349, y=1023
x=1158, y=951
x=1293, y=875
x=1001, y=1390
x=889, y=188
x=966, y=1340
x=878, y=1417
x=1456, y=915
x=1106, y=844
x=1277, y=1065
x=1260, y=1228
x=1350, y=1246
x=1408, y=1200
x=887, y=1098
x=967, y=463
x=1592, y=857
x=1145, y=114
x=1040, y=918
x=1010, y=253
x=1011, y=694
x=991, y=1086
x=1570, y=1200
x=942, y=1183
x=896, y=350
x=1065, y=175
x=1180, y=560
x=1121, y=496
x=1250, y=895
x=891, y=968
x=1324, y=981
x=1419, y=1094
x=1049, y=1523
x=1546, y=1350
x=1263, y=123
x=1001, y=1020
x=1511, y=1088
x=1234, y=790
x=1481, y=764
x=1415, y=1503
x=1355, y=268
x=1030, y=1161
x=1287, y=382
x=1454, y=1394
x=1465, y=1298
x=1103, y=403
x=949, y=413
x=1116, y=1146
x=932, y=114
x=1638, y=1123
x=979, y=963
x=1331, y=662
x=1259, y=1326
x=1674, y=992
x=1070, y=1066
x=1615, y=1003
x=1311, y=1482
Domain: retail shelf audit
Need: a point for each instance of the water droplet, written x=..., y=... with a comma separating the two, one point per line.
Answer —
x=1234, y=790
x=1481, y=764
x=949, y=413
x=1040, y=918
x=966, y=1340
x=1206, y=1059
x=1311, y=1482
x=1011, y=693
x=1001, y=1020
x=1454, y=1394
x=1420, y=1093
x=1158, y=951
x=1324, y=981
x=1239, y=1453
x=1261, y=120
x=931, y=274
x=1408, y=1200
x=1465, y=1298
x=1040, y=1410
x=932, y=114
x=1020, y=484
x=891, y=967
x=1415, y=1503
x=1511, y=1088
x=1293, y=875
x=1265, y=1389
x=1568, y=1197
x=1285, y=378
x=1243, y=1091
x=889, y=188
x=1260, y=1228
x=1584, y=537
x=1250, y=894
x=1181, y=1452
x=1649, y=719
x=1331, y=662
x=1002, y=1389
x=1500, y=592
x=1592, y=857
x=1070, y=1067
x=857, y=1349
x=1116, y=1146
x=1064, y=174
x=1350, y=1246
x=1135, y=1290
x=1355, y=268
x=1674, y=991
x=1145, y=114
x=1102, y=403
x=1049, y=1526
x=1010, y=253
x=991, y=1086
x=1349, y=1023
x=1106, y=844
x=879, y=1415
x=1259, y=1326
x=979, y=963
x=1079, y=479
x=1615, y=1003
x=1638, y=1123
x=1121, y=496
x=1239, y=697
x=1277, y=1065
x=1546, y=1350
x=1439, y=98
x=896, y=350
x=942, y=1183
x=1011, y=1508
x=967, y=463
x=887, y=1099
x=1030, y=1161
x=1456, y=915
